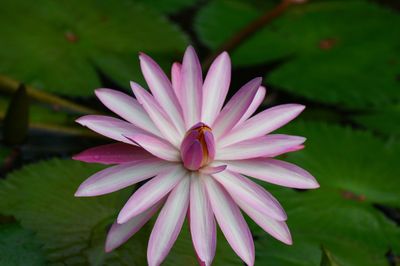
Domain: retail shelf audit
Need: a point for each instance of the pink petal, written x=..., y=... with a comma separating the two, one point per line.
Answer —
x=128, y=108
x=151, y=192
x=156, y=146
x=240, y=187
x=215, y=88
x=109, y=126
x=169, y=223
x=262, y=123
x=162, y=91
x=120, y=176
x=176, y=79
x=192, y=82
x=277, y=229
x=235, y=108
x=157, y=114
x=275, y=172
x=202, y=223
x=192, y=156
x=257, y=101
x=120, y=233
x=212, y=169
x=115, y=153
x=230, y=220
x=265, y=146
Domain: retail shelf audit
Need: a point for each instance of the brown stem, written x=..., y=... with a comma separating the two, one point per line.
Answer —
x=257, y=24
x=10, y=86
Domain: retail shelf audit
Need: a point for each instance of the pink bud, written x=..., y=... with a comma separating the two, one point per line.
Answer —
x=198, y=147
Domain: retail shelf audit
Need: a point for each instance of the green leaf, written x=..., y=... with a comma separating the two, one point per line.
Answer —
x=60, y=46
x=168, y=6
x=327, y=258
x=384, y=120
x=325, y=59
x=19, y=246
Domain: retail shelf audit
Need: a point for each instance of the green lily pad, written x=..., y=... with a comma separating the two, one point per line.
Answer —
x=62, y=45
x=327, y=50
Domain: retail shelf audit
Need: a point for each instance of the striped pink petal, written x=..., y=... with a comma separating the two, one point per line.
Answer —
x=176, y=79
x=161, y=88
x=277, y=229
x=211, y=169
x=169, y=223
x=151, y=192
x=235, y=108
x=266, y=146
x=120, y=233
x=115, y=153
x=252, y=194
x=128, y=108
x=110, y=127
x=157, y=114
x=192, y=81
x=275, y=172
x=120, y=176
x=215, y=88
x=262, y=123
x=257, y=101
x=156, y=146
x=230, y=220
x=202, y=223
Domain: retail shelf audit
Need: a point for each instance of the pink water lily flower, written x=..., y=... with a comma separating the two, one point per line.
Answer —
x=195, y=153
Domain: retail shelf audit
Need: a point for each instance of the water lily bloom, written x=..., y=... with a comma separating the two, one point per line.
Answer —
x=195, y=154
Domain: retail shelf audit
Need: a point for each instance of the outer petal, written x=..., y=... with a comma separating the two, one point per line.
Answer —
x=215, y=88
x=169, y=223
x=120, y=176
x=211, y=169
x=262, y=123
x=156, y=146
x=230, y=221
x=151, y=192
x=277, y=229
x=240, y=187
x=192, y=82
x=257, y=101
x=157, y=114
x=235, y=108
x=176, y=78
x=120, y=233
x=110, y=127
x=162, y=91
x=128, y=108
x=115, y=153
x=275, y=172
x=266, y=146
x=202, y=223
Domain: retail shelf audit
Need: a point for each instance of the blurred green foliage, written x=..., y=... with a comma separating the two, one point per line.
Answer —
x=341, y=58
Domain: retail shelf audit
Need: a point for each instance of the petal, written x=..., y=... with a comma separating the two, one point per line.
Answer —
x=192, y=81
x=212, y=169
x=257, y=101
x=176, y=79
x=110, y=127
x=128, y=108
x=162, y=91
x=265, y=146
x=157, y=114
x=151, y=192
x=156, y=146
x=120, y=233
x=277, y=229
x=192, y=156
x=275, y=172
x=120, y=176
x=215, y=88
x=169, y=223
x=230, y=220
x=262, y=123
x=115, y=153
x=202, y=223
x=235, y=108
x=240, y=187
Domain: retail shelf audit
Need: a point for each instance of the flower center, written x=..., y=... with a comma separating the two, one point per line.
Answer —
x=198, y=147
